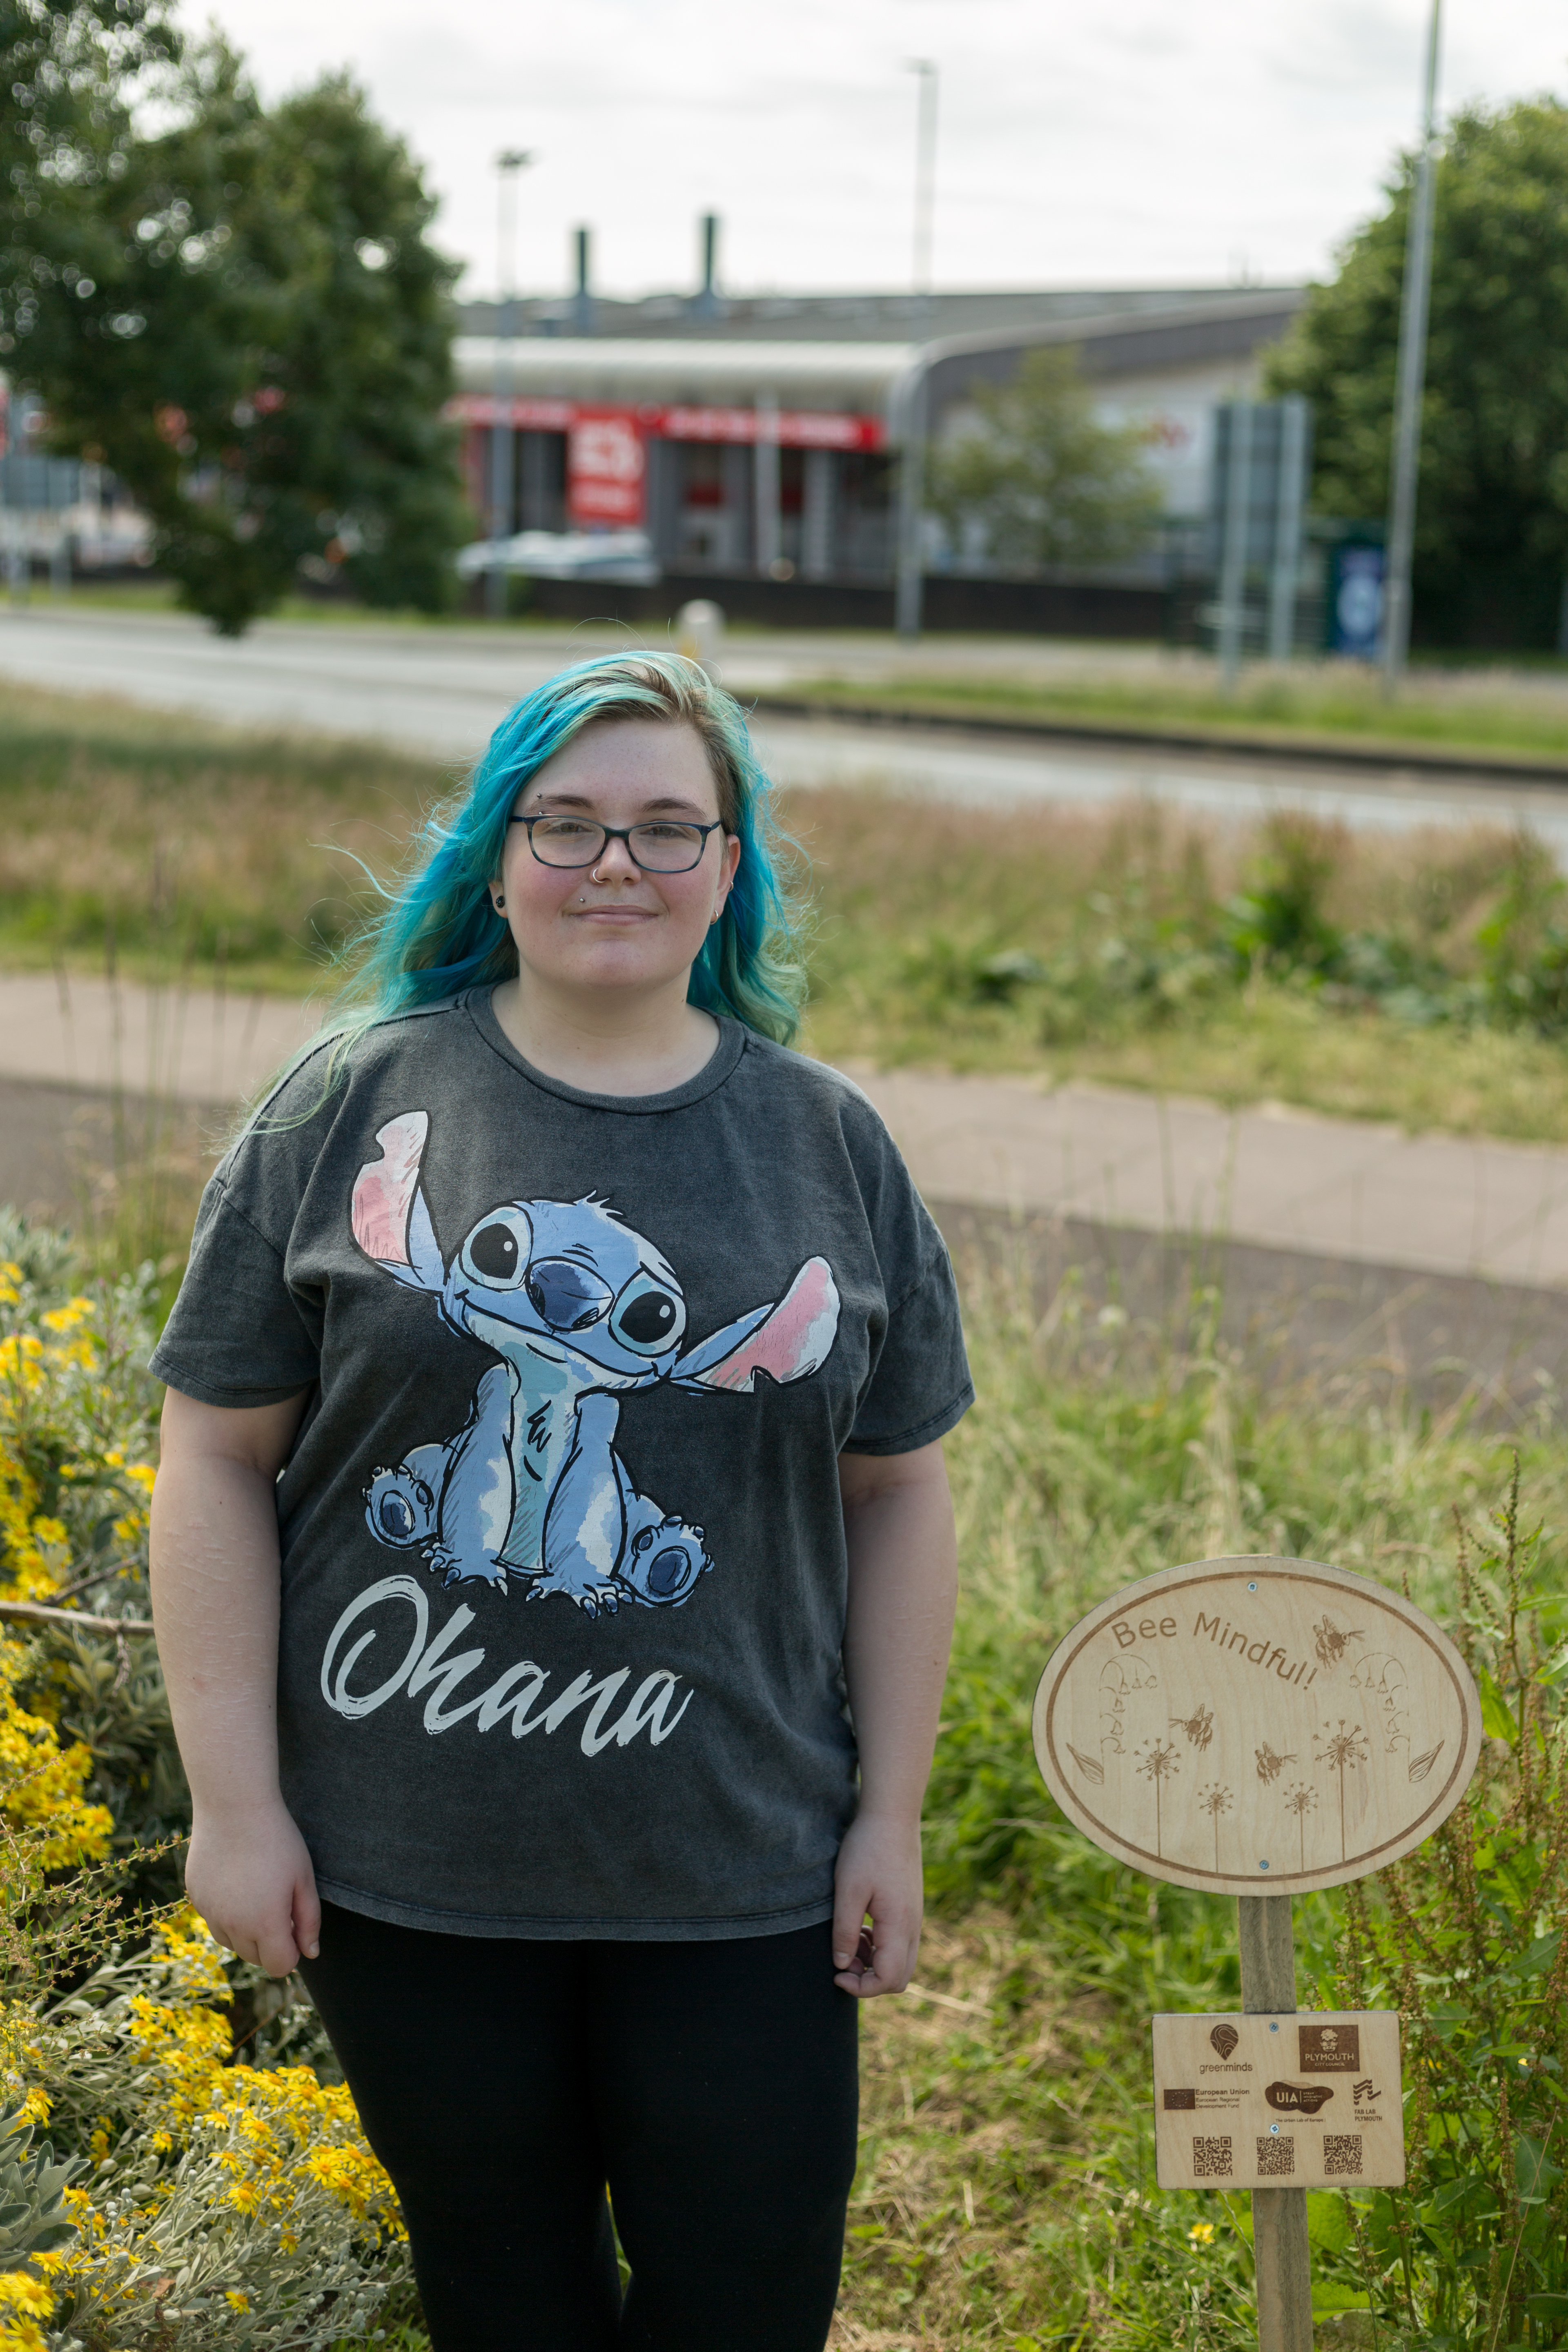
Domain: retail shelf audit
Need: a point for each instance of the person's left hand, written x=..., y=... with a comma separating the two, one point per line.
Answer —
x=879, y=1871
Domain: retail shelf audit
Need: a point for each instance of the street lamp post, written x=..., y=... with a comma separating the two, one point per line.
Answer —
x=911, y=553
x=509, y=163
x=925, y=69
x=1410, y=381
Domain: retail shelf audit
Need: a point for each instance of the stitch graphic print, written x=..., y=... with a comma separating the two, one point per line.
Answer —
x=581, y=1310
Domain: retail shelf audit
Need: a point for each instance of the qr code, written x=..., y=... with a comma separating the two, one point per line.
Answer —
x=1277, y=2156
x=1211, y=2157
x=1342, y=2152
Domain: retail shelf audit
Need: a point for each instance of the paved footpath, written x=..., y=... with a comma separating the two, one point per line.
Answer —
x=1286, y=1180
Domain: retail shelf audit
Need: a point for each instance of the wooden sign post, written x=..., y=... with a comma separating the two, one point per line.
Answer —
x=1259, y=1727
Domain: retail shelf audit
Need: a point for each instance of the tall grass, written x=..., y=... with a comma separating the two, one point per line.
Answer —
x=1112, y=945
x=1006, y=2193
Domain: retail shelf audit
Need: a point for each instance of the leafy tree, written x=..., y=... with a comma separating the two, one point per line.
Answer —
x=65, y=66
x=1492, y=539
x=244, y=318
x=1039, y=476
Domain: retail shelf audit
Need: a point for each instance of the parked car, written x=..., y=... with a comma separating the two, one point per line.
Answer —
x=615, y=555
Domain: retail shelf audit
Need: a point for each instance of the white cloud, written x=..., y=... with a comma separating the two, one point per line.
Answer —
x=1113, y=145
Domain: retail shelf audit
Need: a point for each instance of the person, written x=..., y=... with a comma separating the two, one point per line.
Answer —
x=553, y=1558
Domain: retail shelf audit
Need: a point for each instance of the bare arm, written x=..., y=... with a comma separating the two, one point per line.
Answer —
x=215, y=1587
x=903, y=1578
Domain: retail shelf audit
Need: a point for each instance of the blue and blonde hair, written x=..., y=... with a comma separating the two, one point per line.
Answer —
x=440, y=933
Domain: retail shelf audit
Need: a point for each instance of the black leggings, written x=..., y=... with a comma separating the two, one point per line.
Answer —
x=503, y=2084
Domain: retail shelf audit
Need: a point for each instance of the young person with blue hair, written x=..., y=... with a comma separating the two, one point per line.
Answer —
x=553, y=1558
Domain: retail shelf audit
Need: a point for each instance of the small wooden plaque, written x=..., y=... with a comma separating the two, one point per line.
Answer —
x=1305, y=2100
x=1255, y=1727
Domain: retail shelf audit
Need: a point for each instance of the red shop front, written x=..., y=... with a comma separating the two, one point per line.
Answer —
x=606, y=446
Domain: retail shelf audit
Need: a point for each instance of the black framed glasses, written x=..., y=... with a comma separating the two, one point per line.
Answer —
x=657, y=847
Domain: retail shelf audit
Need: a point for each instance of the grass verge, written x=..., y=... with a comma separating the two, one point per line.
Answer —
x=1054, y=942
x=1306, y=706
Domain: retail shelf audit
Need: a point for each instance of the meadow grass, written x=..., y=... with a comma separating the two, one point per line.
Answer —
x=191, y=853
x=1006, y=2193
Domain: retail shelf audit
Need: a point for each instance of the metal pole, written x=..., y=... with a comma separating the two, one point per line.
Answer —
x=1288, y=528
x=925, y=191
x=909, y=593
x=1279, y=2245
x=766, y=484
x=1238, y=515
x=909, y=558
x=1410, y=381
x=508, y=165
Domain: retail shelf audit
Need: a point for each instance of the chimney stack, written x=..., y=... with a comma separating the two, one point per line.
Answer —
x=583, y=314
x=708, y=302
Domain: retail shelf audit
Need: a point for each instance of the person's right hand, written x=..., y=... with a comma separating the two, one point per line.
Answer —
x=249, y=1876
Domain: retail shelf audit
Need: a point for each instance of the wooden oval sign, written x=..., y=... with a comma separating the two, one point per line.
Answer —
x=1257, y=1725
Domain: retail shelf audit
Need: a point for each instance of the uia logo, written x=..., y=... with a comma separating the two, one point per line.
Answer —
x=1223, y=2039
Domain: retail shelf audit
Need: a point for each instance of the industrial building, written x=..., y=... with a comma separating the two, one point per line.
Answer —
x=755, y=441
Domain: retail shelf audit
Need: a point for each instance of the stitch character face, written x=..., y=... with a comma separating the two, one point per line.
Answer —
x=571, y=1282
x=580, y=1309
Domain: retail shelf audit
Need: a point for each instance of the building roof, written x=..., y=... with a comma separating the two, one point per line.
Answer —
x=869, y=318
x=872, y=374
x=622, y=368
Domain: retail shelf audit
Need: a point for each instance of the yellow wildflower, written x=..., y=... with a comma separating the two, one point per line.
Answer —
x=67, y=1318
x=24, y=2302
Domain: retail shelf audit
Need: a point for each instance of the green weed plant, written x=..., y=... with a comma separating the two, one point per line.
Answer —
x=1466, y=1939
x=1006, y=2194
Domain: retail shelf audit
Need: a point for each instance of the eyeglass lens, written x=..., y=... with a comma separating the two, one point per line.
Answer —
x=660, y=848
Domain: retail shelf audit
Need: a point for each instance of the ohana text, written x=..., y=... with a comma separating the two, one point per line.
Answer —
x=428, y=1667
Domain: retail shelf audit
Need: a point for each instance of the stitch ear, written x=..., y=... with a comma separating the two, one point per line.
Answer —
x=788, y=1341
x=390, y=1222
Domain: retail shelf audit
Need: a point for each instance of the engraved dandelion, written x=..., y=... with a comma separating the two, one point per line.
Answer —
x=1302, y=1800
x=1157, y=1761
x=1213, y=1800
x=1336, y=1750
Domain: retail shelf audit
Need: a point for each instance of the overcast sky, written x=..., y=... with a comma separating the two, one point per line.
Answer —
x=1082, y=142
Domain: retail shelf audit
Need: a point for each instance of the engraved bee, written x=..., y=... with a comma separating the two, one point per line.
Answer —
x=1198, y=1727
x=1331, y=1643
x=1270, y=1766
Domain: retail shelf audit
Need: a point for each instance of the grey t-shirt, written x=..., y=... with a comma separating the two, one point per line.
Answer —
x=564, y=1562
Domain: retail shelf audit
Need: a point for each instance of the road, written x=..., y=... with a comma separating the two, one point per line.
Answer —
x=442, y=690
